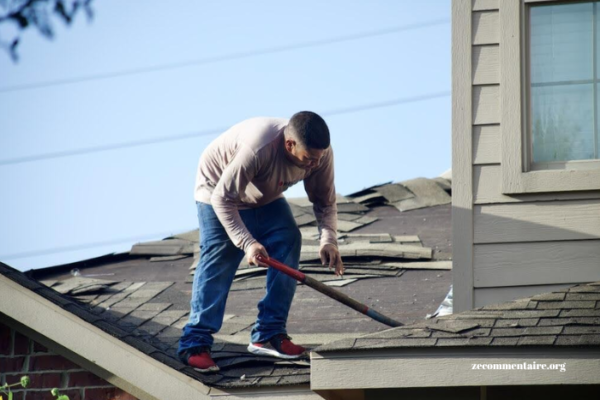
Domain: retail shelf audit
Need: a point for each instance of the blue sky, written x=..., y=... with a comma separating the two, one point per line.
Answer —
x=70, y=208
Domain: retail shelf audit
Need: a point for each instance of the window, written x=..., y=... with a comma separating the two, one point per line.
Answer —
x=549, y=96
x=563, y=84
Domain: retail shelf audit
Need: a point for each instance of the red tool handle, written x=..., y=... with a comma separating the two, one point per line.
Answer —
x=328, y=291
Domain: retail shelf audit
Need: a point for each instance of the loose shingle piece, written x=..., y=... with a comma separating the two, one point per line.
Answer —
x=190, y=236
x=80, y=285
x=168, y=247
x=427, y=193
x=366, y=256
x=168, y=258
x=356, y=249
x=395, y=192
x=408, y=195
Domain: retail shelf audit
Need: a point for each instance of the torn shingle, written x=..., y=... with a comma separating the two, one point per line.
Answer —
x=427, y=193
x=168, y=247
x=168, y=258
x=305, y=219
x=454, y=326
x=80, y=285
x=395, y=192
x=351, y=207
x=190, y=236
x=348, y=226
x=441, y=265
x=340, y=283
x=348, y=217
x=369, y=198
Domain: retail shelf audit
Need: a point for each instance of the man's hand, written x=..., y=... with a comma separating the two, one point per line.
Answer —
x=331, y=255
x=254, y=250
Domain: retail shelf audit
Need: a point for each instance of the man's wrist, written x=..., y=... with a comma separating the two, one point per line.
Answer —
x=248, y=245
x=328, y=243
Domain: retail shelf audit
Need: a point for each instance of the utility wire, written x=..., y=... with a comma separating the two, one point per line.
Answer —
x=209, y=132
x=83, y=246
x=55, y=250
x=108, y=147
x=226, y=57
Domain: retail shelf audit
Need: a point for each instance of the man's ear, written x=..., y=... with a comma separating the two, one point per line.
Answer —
x=290, y=144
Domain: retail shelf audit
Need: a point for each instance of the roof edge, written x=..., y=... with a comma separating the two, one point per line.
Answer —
x=289, y=392
x=72, y=337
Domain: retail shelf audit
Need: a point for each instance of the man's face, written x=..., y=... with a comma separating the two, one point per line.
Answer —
x=301, y=156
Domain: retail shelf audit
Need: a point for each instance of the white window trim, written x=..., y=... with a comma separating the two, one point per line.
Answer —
x=516, y=176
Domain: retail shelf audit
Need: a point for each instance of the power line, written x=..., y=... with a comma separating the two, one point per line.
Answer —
x=108, y=147
x=83, y=246
x=227, y=57
x=55, y=250
x=388, y=103
x=172, y=138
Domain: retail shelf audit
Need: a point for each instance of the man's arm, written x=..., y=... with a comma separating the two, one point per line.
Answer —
x=234, y=179
x=320, y=188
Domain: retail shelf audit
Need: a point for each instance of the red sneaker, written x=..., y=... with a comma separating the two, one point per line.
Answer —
x=202, y=362
x=278, y=346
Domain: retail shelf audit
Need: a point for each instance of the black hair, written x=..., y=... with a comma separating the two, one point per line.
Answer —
x=310, y=129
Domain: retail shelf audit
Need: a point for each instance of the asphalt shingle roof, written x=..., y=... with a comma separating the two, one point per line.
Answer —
x=143, y=299
x=569, y=317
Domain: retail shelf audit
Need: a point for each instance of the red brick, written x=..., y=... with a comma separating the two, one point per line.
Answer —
x=85, y=378
x=21, y=344
x=38, y=348
x=37, y=381
x=5, y=340
x=50, y=363
x=112, y=393
x=74, y=394
x=11, y=364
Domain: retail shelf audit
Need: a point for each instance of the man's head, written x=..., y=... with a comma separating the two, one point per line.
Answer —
x=306, y=138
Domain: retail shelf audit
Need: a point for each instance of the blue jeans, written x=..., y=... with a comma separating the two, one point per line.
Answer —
x=273, y=225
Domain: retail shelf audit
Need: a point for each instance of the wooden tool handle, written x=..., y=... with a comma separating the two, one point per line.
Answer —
x=328, y=291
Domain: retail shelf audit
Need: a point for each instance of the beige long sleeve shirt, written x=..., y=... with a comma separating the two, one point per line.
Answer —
x=246, y=167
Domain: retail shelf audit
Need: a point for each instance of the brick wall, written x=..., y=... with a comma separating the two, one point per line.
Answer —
x=21, y=356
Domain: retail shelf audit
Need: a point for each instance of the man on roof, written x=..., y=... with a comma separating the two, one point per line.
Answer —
x=239, y=189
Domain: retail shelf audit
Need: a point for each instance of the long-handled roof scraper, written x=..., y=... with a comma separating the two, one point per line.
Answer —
x=328, y=291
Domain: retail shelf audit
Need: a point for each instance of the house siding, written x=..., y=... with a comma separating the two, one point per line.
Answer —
x=520, y=244
x=20, y=356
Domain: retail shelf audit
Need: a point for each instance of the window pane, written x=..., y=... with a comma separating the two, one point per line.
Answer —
x=561, y=42
x=562, y=123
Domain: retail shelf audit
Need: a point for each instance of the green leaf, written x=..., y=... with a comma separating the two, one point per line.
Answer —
x=54, y=392
x=25, y=381
x=10, y=396
x=63, y=397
